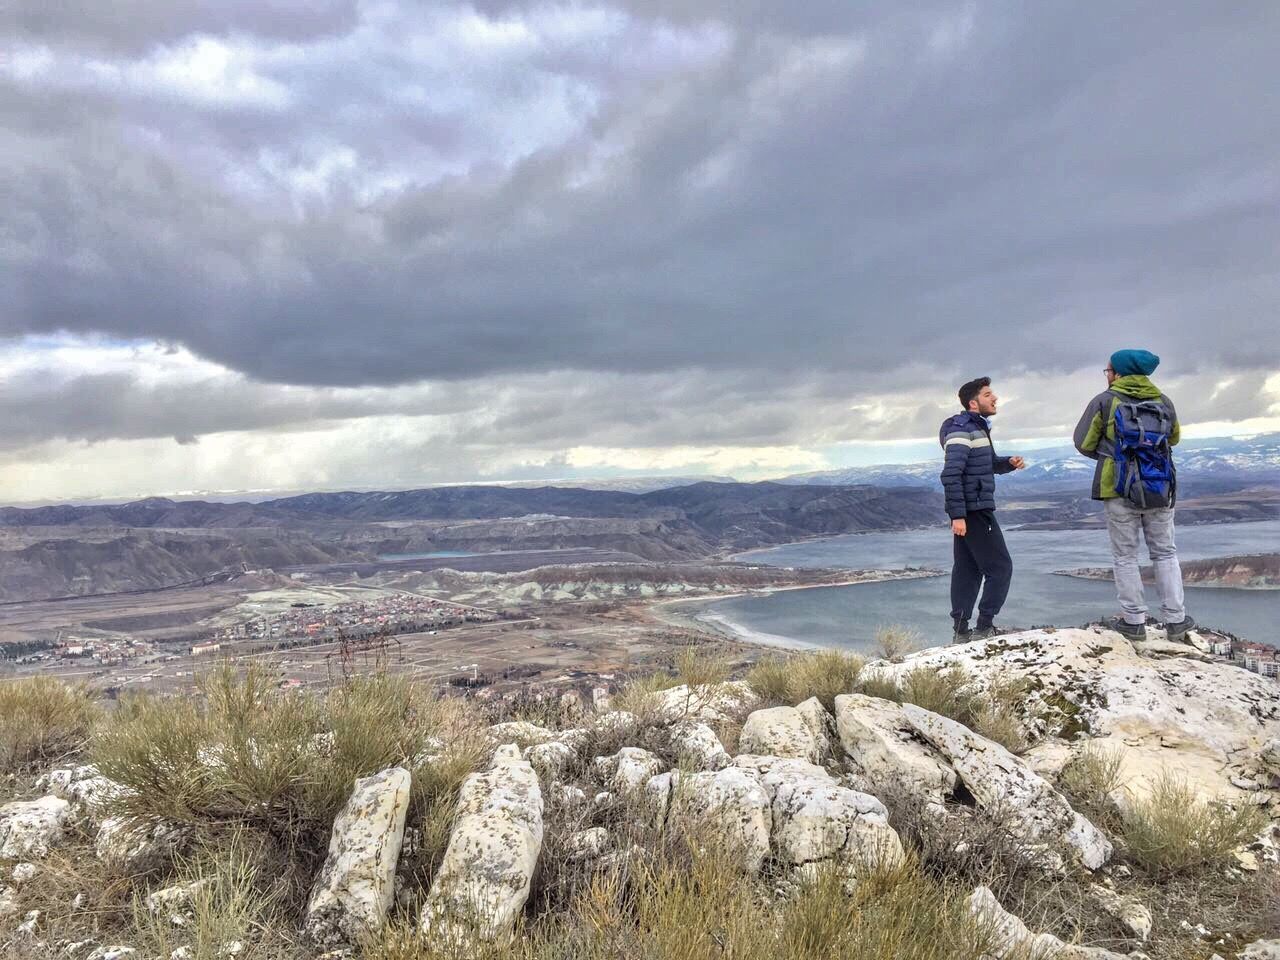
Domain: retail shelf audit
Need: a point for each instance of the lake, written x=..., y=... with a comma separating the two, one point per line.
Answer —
x=849, y=616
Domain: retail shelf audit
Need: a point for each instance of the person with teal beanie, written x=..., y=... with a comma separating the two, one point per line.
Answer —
x=1128, y=524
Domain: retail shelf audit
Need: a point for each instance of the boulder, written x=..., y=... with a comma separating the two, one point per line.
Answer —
x=779, y=732
x=713, y=702
x=483, y=881
x=28, y=829
x=734, y=801
x=356, y=886
x=549, y=759
x=697, y=744
x=628, y=769
x=135, y=846
x=520, y=731
x=884, y=749
x=815, y=819
x=1014, y=941
x=1000, y=782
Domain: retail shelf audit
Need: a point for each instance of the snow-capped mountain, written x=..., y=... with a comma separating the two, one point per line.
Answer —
x=1241, y=461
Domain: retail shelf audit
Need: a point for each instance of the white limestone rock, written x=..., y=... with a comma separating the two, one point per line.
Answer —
x=176, y=902
x=735, y=801
x=115, y=952
x=1152, y=712
x=697, y=744
x=30, y=828
x=884, y=749
x=521, y=732
x=712, y=703
x=24, y=873
x=357, y=883
x=483, y=881
x=815, y=819
x=550, y=759
x=1015, y=942
x=587, y=843
x=1135, y=916
x=8, y=902
x=821, y=724
x=999, y=780
x=779, y=732
x=628, y=769
x=137, y=846
x=1261, y=950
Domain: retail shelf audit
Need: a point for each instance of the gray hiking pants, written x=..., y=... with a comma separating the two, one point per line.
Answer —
x=1128, y=525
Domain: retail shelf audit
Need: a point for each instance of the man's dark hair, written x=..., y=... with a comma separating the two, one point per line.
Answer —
x=972, y=389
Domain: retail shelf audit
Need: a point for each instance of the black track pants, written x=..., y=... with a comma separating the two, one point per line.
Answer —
x=980, y=554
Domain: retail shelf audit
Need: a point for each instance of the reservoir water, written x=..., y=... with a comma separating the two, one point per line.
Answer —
x=849, y=616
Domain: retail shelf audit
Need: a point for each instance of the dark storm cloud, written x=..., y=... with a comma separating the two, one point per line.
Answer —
x=836, y=188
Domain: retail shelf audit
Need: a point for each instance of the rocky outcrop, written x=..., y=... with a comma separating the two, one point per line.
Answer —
x=1153, y=713
x=29, y=829
x=1004, y=785
x=1135, y=916
x=884, y=750
x=483, y=881
x=356, y=887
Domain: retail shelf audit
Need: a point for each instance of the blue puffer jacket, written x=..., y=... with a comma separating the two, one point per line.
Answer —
x=969, y=473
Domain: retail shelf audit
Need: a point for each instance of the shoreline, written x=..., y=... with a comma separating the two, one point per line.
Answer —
x=1190, y=584
x=668, y=611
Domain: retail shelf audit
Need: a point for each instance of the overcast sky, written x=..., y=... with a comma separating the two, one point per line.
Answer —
x=308, y=244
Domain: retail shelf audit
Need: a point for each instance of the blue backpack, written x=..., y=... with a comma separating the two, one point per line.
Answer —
x=1145, y=475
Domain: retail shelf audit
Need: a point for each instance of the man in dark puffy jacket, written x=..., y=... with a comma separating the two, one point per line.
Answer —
x=969, y=485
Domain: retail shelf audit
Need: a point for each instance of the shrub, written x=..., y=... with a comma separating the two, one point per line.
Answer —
x=1173, y=831
x=824, y=674
x=283, y=764
x=41, y=721
x=894, y=642
x=1091, y=776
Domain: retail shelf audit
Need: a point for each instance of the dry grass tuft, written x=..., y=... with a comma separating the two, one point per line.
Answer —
x=282, y=764
x=42, y=721
x=1173, y=831
x=894, y=642
x=1091, y=777
x=824, y=674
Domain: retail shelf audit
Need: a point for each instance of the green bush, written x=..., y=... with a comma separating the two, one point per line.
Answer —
x=42, y=720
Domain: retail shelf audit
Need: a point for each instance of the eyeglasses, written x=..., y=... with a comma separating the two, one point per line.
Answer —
x=1108, y=371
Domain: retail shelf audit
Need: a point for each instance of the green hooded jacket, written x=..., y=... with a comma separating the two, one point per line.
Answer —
x=1095, y=434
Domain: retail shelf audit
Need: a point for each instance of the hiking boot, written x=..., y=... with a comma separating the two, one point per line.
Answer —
x=960, y=631
x=1178, y=631
x=1130, y=631
x=983, y=631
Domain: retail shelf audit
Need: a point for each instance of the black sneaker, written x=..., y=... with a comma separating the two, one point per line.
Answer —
x=960, y=631
x=1131, y=631
x=983, y=631
x=1178, y=631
